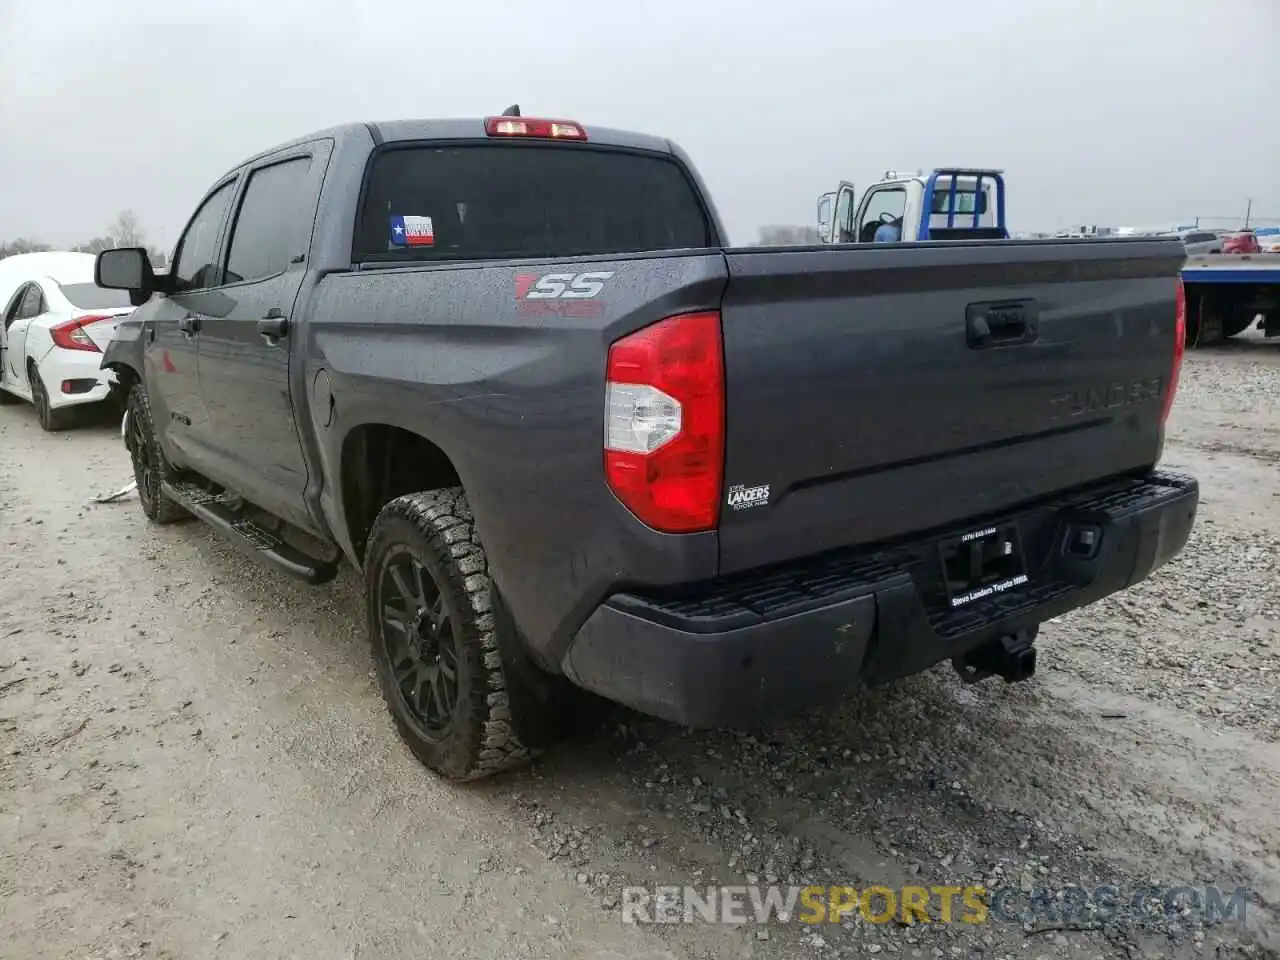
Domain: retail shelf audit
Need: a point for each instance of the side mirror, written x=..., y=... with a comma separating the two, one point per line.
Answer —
x=127, y=268
x=826, y=202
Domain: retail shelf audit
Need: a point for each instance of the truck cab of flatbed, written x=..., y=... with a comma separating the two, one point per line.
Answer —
x=951, y=203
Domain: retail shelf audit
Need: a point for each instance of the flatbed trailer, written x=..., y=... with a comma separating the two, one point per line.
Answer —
x=1226, y=293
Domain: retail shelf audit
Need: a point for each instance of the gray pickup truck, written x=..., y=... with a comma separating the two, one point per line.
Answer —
x=510, y=371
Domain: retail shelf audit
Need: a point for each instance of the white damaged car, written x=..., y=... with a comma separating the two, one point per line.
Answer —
x=56, y=323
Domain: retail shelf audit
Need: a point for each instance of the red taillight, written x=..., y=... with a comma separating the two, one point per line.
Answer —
x=1179, y=347
x=664, y=422
x=70, y=334
x=530, y=127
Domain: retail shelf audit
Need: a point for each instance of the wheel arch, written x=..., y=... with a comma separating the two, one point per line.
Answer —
x=126, y=373
x=123, y=355
x=379, y=461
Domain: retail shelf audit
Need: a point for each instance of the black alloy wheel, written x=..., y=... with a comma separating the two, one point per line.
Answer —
x=434, y=637
x=149, y=467
x=419, y=643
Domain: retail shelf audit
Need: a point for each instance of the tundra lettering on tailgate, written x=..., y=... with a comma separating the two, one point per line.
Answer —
x=1109, y=396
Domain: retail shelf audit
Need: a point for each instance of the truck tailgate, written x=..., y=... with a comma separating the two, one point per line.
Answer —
x=873, y=392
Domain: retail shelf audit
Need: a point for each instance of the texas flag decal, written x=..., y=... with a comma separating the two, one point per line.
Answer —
x=412, y=232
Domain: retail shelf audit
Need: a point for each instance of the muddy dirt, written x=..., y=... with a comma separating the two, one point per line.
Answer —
x=195, y=762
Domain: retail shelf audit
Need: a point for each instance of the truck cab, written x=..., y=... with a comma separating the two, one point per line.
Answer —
x=951, y=203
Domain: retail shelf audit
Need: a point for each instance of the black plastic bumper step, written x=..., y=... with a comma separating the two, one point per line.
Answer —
x=215, y=510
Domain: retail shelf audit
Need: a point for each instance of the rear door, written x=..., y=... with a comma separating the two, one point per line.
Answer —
x=245, y=341
x=884, y=391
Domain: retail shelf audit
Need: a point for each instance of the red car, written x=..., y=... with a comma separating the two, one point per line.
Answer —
x=1243, y=242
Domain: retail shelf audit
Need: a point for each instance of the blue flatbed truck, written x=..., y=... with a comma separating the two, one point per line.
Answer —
x=951, y=203
x=1227, y=293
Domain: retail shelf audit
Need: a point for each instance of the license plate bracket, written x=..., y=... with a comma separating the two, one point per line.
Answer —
x=982, y=563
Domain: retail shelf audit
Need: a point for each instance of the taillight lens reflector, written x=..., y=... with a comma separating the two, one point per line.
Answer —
x=664, y=422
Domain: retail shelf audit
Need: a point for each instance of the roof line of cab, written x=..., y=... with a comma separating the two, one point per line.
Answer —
x=403, y=131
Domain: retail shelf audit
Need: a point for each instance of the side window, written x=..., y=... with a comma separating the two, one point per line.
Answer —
x=14, y=307
x=33, y=303
x=883, y=206
x=193, y=266
x=274, y=221
x=844, y=217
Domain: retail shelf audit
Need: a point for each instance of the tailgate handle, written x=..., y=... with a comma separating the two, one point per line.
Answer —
x=996, y=324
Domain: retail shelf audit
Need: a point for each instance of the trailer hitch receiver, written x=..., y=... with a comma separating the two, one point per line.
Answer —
x=1012, y=656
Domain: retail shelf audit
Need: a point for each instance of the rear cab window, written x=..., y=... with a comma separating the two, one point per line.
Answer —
x=488, y=201
x=967, y=202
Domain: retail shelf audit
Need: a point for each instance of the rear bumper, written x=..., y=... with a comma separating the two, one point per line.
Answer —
x=742, y=649
x=73, y=377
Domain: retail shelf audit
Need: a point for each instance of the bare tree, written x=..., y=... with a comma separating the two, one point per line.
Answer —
x=96, y=245
x=124, y=230
x=14, y=247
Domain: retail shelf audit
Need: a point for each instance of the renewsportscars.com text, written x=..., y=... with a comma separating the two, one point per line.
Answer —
x=936, y=904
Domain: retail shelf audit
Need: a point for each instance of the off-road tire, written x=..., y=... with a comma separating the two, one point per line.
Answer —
x=150, y=468
x=437, y=530
x=51, y=420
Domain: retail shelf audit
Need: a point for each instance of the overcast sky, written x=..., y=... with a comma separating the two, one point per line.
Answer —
x=1129, y=112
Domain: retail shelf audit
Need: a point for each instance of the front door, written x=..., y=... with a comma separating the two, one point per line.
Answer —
x=884, y=206
x=27, y=304
x=246, y=346
x=9, y=371
x=172, y=376
x=845, y=204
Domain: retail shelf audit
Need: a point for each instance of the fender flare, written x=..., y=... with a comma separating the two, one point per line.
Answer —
x=124, y=352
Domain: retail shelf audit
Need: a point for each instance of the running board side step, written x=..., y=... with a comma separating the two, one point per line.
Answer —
x=214, y=510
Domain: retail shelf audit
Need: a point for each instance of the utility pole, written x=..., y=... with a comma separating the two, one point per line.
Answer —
x=1248, y=210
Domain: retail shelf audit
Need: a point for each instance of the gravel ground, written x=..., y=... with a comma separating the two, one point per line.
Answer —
x=194, y=761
